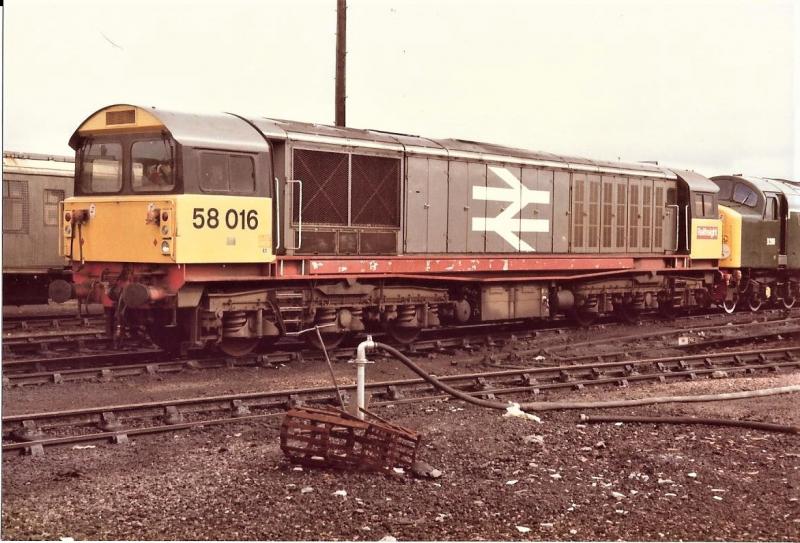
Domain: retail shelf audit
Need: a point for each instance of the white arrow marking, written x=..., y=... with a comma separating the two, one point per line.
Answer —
x=506, y=223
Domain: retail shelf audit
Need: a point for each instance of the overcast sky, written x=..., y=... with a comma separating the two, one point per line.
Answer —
x=705, y=85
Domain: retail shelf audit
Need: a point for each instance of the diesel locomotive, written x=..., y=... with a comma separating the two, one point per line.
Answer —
x=761, y=240
x=231, y=231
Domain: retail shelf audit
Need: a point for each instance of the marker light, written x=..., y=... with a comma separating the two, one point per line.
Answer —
x=165, y=247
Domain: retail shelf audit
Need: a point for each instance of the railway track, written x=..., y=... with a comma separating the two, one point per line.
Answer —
x=31, y=433
x=36, y=334
x=107, y=365
x=36, y=312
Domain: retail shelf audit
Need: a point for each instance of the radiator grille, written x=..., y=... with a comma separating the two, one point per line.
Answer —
x=376, y=243
x=324, y=176
x=376, y=191
x=125, y=116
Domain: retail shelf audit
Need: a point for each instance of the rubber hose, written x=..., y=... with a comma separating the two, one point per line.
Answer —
x=437, y=383
x=693, y=420
x=552, y=406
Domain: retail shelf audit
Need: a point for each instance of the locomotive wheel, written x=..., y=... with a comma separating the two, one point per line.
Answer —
x=788, y=303
x=754, y=303
x=331, y=340
x=239, y=346
x=582, y=317
x=402, y=334
x=729, y=306
x=627, y=313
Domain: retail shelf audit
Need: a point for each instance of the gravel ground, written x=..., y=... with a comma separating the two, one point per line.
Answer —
x=503, y=479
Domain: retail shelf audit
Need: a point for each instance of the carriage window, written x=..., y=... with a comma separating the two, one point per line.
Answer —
x=220, y=172
x=744, y=195
x=50, y=206
x=15, y=207
x=101, y=168
x=771, y=213
x=152, y=166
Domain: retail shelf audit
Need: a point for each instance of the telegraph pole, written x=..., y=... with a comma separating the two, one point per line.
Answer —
x=341, y=51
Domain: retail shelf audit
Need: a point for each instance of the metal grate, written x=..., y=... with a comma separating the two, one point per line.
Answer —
x=125, y=116
x=634, y=208
x=593, y=236
x=608, y=215
x=376, y=243
x=647, y=216
x=375, y=191
x=577, y=213
x=324, y=176
x=658, y=220
x=621, y=201
x=328, y=438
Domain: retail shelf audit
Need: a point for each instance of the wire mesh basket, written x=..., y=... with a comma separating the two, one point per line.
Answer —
x=336, y=439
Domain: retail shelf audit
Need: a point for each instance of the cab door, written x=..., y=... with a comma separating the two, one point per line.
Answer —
x=772, y=239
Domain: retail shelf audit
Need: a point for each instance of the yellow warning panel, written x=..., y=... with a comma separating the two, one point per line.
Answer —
x=181, y=229
x=116, y=229
x=218, y=229
x=731, y=238
x=706, y=239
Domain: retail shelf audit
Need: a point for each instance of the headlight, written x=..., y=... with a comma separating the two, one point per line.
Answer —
x=165, y=247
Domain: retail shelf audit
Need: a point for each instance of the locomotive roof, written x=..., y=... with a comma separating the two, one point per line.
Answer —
x=697, y=182
x=233, y=132
x=790, y=189
x=218, y=131
x=449, y=148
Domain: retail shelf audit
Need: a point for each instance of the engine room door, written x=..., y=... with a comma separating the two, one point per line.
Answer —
x=664, y=219
x=613, y=199
x=426, y=205
x=585, y=213
x=647, y=216
x=634, y=215
x=536, y=219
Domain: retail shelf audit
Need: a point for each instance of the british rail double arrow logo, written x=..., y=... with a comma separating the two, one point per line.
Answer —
x=507, y=224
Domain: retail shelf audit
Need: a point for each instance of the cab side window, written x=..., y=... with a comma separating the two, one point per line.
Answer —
x=772, y=211
x=705, y=206
x=698, y=205
x=223, y=172
x=152, y=166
